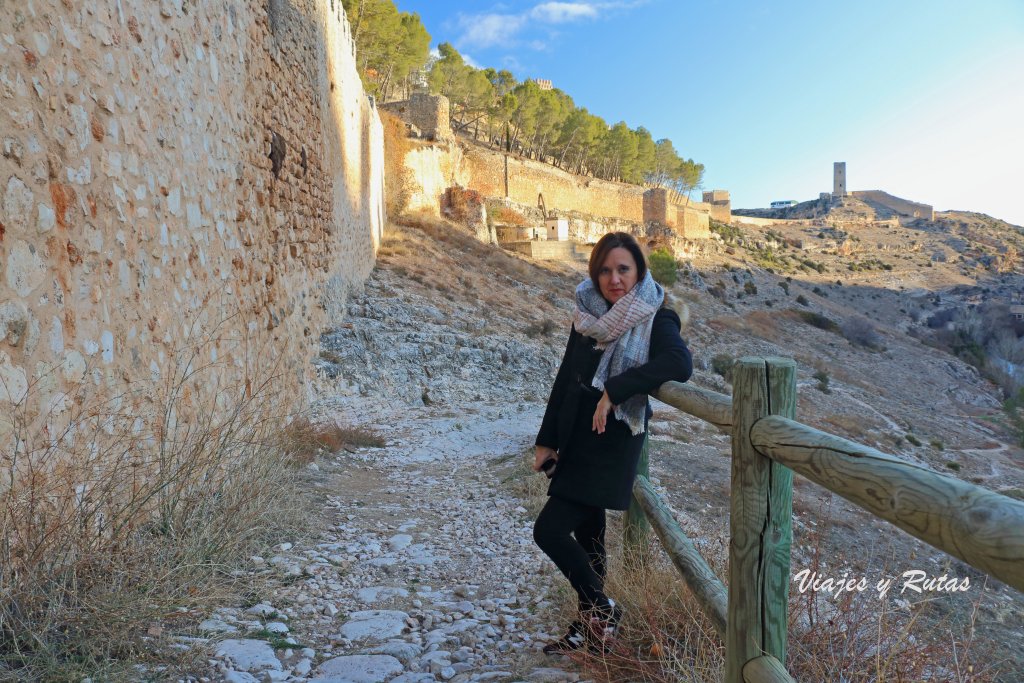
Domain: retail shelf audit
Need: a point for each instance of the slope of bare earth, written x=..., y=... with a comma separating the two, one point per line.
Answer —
x=450, y=324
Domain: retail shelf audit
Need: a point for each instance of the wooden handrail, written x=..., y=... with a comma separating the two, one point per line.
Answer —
x=708, y=405
x=766, y=669
x=981, y=527
x=706, y=586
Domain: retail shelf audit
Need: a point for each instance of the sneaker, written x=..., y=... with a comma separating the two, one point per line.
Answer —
x=570, y=642
x=603, y=626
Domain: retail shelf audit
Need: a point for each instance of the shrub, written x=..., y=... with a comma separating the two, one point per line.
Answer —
x=461, y=204
x=941, y=318
x=718, y=290
x=822, y=377
x=749, y=287
x=819, y=320
x=143, y=520
x=912, y=440
x=542, y=329
x=722, y=365
x=937, y=444
x=859, y=330
x=506, y=215
x=785, y=286
x=663, y=266
x=802, y=300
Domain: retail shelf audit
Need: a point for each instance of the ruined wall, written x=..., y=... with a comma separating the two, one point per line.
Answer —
x=432, y=169
x=429, y=114
x=562, y=191
x=692, y=222
x=177, y=171
x=897, y=204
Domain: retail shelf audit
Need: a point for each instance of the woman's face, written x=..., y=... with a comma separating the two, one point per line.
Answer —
x=617, y=274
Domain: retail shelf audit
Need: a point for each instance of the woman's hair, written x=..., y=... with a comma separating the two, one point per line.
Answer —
x=609, y=242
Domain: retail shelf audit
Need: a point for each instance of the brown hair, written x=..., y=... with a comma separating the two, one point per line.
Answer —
x=609, y=242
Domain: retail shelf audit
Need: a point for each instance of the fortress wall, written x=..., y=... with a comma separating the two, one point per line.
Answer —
x=174, y=172
x=562, y=191
x=897, y=204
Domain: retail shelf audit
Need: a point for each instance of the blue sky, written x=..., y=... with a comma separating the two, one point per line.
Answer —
x=923, y=99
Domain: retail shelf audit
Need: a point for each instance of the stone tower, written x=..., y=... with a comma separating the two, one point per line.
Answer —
x=839, y=179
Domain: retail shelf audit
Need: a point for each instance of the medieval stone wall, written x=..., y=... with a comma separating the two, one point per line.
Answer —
x=562, y=191
x=177, y=172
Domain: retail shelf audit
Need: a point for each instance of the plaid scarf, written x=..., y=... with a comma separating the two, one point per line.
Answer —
x=623, y=331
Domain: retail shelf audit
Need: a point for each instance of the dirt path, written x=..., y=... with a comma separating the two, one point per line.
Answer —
x=426, y=568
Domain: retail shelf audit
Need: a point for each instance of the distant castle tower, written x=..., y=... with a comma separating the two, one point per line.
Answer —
x=839, y=179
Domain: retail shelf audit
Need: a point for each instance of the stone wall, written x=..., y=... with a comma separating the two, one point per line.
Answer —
x=592, y=205
x=173, y=173
x=527, y=179
x=719, y=205
x=897, y=204
x=429, y=114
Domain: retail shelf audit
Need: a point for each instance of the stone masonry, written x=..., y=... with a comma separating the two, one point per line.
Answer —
x=176, y=175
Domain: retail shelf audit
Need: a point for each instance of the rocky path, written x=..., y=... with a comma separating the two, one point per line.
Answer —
x=425, y=569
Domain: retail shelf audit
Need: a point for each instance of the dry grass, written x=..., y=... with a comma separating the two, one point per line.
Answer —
x=666, y=638
x=117, y=532
x=306, y=440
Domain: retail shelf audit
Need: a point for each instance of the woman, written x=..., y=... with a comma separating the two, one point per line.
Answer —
x=624, y=344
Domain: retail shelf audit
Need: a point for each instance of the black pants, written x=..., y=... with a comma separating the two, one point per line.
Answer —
x=582, y=559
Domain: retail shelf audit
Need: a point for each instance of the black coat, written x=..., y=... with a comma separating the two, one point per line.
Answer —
x=598, y=469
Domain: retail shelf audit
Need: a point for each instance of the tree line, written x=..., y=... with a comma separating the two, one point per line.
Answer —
x=392, y=52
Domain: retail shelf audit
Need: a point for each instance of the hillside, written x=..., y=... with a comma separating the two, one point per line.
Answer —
x=449, y=326
x=423, y=561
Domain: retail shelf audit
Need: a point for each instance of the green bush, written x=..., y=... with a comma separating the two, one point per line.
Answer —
x=912, y=440
x=722, y=365
x=749, y=287
x=822, y=322
x=802, y=300
x=822, y=377
x=663, y=266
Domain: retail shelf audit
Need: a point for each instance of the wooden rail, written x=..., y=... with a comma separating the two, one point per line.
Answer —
x=708, y=405
x=706, y=587
x=979, y=526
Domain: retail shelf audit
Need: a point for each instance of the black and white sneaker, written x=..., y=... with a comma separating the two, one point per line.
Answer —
x=603, y=626
x=574, y=640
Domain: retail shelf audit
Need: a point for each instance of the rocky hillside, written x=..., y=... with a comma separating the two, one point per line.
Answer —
x=896, y=348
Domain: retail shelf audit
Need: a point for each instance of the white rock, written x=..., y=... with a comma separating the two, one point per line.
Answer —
x=379, y=593
x=262, y=610
x=248, y=654
x=216, y=626
x=399, y=649
x=276, y=627
x=413, y=677
x=239, y=677
x=357, y=669
x=374, y=625
x=399, y=541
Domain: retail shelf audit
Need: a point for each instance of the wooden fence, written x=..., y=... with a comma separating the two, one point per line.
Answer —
x=978, y=526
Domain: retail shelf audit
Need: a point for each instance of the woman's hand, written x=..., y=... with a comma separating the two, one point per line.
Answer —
x=543, y=453
x=604, y=406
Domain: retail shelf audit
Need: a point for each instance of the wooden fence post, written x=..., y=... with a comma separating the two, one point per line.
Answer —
x=761, y=504
x=636, y=530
